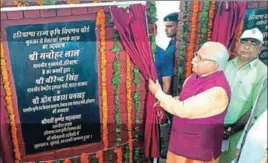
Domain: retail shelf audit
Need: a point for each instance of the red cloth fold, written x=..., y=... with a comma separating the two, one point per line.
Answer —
x=132, y=29
x=227, y=21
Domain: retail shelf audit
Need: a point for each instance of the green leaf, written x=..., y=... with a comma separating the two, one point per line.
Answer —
x=110, y=155
x=204, y=30
x=118, y=140
x=206, y=5
x=75, y=160
x=116, y=80
x=184, y=28
x=117, y=130
x=116, y=47
x=49, y=2
x=117, y=117
x=116, y=35
x=138, y=107
x=110, y=20
x=136, y=95
x=182, y=47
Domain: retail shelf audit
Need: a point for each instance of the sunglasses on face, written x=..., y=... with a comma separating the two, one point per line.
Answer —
x=251, y=42
x=196, y=55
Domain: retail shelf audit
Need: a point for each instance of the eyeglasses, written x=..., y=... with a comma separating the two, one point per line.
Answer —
x=196, y=55
x=251, y=42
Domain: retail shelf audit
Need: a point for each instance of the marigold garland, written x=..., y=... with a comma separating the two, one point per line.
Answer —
x=129, y=108
x=99, y=155
x=190, y=53
x=211, y=14
x=40, y=2
x=67, y=161
x=103, y=61
x=84, y=158
x=9, y=103
x=118, y=152
x=237, y=39
x=73, y=2
x=1, y=3
x=21, y=3
x=49, y=161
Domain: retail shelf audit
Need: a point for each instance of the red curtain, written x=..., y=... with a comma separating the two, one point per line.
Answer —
x=227, y=21
x=131, y=27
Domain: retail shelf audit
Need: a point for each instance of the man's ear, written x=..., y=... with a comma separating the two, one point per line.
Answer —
x=260, y=49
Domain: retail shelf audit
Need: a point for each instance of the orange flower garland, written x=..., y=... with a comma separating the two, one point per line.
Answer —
x=1, y=3
x=237, y=39
x=67, y=161
x=21, y=3
x=72, y=1
x=10, y=108
x=84, y=158
x=210, y=19
x=40, y=2
x=101, y=23
x=99, y=155
x=129, y=108
x=190, y=53
x=118, y=152
x=48, y=161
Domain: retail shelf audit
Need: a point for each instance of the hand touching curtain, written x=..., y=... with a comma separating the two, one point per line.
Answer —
x=131, y=27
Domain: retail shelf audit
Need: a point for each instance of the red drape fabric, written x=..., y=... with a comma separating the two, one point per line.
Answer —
x=132, y=29
x=227, y=21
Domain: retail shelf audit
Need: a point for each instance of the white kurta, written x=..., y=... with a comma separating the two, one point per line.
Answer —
x=256, y=142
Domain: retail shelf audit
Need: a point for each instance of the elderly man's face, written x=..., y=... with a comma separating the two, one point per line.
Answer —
x=202, y=62
x=249, y=49
x=171, y=28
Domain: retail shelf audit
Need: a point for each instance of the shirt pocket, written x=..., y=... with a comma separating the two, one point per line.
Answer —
x=244, y=87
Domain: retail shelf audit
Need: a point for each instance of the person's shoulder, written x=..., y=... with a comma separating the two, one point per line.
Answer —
x=233, y=60
x=260, y=64
x=230, y=65
x=261, y=67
